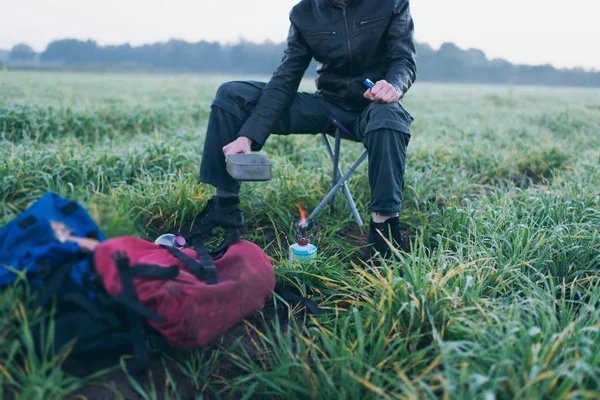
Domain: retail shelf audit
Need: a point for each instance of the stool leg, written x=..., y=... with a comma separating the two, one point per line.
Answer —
x=337, y=187
x=349, y=198
x=336, y=163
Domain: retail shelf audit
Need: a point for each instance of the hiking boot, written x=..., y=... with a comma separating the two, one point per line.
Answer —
x=220, y=212
x=390, y=229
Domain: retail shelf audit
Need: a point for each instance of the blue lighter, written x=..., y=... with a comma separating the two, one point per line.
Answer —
x=368, y=83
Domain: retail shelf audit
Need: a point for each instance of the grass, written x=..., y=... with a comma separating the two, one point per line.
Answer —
x=497, y=298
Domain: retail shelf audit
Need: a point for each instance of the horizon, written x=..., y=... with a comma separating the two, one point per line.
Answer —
x=482, y=26
x=266, y=41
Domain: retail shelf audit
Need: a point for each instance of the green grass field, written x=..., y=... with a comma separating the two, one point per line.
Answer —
x=497, y=299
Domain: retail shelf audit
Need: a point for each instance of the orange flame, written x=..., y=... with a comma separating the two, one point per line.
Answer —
x=302, y=214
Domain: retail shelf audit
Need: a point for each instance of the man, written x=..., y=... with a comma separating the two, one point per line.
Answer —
x=352, y=40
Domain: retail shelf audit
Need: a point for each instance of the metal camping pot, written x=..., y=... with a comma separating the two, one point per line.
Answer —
x=248, y=167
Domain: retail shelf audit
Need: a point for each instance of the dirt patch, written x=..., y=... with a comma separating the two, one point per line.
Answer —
x=116, y=383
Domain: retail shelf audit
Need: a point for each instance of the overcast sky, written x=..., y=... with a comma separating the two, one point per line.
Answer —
x=559, y=32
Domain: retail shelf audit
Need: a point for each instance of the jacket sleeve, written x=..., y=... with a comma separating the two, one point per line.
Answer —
x=401, y=50
x=280, y=91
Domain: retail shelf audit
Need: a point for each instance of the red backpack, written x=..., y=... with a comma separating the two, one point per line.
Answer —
x=189, y=296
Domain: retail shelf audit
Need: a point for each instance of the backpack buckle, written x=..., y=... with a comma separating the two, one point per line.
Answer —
x=154, y=344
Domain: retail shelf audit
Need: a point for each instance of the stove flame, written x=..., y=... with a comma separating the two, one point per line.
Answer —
x=303, y=221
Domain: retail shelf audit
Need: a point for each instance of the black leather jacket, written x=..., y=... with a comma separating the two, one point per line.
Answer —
x=351, y=42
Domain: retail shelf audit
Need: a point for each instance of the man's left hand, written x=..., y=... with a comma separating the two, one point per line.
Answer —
x=382, y=92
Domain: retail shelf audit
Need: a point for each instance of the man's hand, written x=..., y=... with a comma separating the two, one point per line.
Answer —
x=382, y=92
x=241, y=145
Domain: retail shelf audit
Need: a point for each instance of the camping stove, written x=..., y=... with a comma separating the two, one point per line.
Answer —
x=302, y=250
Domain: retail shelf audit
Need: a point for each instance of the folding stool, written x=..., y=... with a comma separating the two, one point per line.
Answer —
x=339, y=180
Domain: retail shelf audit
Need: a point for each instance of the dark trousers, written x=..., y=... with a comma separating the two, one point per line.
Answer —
x=384, y=129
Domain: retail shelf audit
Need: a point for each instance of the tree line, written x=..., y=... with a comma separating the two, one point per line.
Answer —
x=447, y=64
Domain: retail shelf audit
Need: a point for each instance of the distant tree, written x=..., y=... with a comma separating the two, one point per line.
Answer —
x=453, y=63
x=71, y=52
x=22, y=53
x=476, y=57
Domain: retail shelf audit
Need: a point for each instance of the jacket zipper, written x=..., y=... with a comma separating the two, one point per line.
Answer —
x=361, y=23
x=349, y=51
x=320, y=33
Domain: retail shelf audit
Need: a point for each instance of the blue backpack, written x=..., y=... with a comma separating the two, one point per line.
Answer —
x=52, y=243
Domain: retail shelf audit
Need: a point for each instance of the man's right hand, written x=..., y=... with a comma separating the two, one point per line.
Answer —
x=241, y=145
x=382, y=92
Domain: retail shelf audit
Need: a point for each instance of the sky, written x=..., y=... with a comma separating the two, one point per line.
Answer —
x=558, y=32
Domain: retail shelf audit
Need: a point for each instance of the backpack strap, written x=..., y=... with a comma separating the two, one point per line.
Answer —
x=27, y=221
x=205, y=271
x=129, y=296
x=210, y=271
x=289, y=295
x=153, y=271
x=83, y=303
x=135, y=309
x=69, y=208
x=231, y=239
x=127, y=273
x=58, y=277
